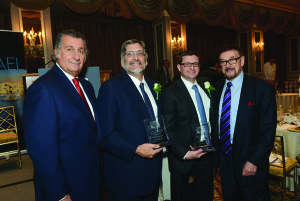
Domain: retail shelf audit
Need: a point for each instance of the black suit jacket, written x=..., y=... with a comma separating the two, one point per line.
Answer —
x=179, y=113
x=255, y=128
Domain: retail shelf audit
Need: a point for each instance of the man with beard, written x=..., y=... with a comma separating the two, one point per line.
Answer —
x=244, y=130
x=132, y=166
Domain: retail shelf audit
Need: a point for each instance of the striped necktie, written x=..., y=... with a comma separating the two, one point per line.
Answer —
x=147, y=101
x=225, y=121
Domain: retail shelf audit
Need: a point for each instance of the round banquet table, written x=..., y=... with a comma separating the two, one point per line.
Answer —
x=291, y=147
x=287, y=99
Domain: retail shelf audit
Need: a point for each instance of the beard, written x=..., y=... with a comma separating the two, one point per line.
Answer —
x=234, y=75
x=133, y=71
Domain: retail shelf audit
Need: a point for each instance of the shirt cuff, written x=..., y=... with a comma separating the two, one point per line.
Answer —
x=185, y=155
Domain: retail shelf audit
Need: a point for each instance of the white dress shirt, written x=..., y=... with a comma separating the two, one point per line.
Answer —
x=137, y=83
x=70, y=77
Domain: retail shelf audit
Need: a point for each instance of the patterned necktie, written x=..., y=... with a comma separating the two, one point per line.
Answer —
x=225, y=121
x=76, y=83
x=147, y=101
x=202, y=113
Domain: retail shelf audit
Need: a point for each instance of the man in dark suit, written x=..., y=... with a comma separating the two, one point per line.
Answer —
x=180, y=111
x=61, y=130
x=244, y=130
x=132, y=166
x=212, y=70
x=162, y=75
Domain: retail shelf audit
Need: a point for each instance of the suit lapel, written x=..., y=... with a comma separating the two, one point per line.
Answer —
x=72, y=94
x=201, y=84
x=150, y=84
x=244, y=99
x=132, y=91
x=185, y=96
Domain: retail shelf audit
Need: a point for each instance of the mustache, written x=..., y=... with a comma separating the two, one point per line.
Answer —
x=228, y=69
x=135, y=61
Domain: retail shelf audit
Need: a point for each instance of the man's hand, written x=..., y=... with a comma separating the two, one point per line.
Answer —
x=194, y=153
x=148, y=150
x=249, y=169
x=67, y=198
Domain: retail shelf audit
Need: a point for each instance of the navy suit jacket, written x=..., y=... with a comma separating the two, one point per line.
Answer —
x=179, y=113
x=61, y=138
x=255, y=128
x=122, y=110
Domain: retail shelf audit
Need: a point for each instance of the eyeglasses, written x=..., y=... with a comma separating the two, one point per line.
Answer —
x=195, y=64
x=139, y=53
x=230, y=61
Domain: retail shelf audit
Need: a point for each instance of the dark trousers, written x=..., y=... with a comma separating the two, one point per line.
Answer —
x=116, y=196
x=232, y=191
x=203, y=181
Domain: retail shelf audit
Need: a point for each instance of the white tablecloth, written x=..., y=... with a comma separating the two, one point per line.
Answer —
x=291, y=146
x=287, y=99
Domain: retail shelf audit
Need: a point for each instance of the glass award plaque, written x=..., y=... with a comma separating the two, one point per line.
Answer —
x=201, y=137
x=157, y=132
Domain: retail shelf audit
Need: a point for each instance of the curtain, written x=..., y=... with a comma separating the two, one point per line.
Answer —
x=105, y=37
x=207, y=40
x=5, y=19
x=226, y=13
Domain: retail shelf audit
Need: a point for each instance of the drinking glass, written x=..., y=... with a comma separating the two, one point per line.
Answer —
x=279, y=107
x=290, y=108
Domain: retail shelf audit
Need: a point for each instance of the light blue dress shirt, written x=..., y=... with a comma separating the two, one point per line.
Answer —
x=235, y=100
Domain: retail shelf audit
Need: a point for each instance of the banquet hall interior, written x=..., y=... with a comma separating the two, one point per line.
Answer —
x=264, y=29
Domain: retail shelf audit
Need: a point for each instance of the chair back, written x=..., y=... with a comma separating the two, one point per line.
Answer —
x=277, y=157
x=7, y=120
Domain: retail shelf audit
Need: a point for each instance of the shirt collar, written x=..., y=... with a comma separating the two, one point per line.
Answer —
x=188, y=84
x=136, y=81
x=70, y=77
x=236, y=81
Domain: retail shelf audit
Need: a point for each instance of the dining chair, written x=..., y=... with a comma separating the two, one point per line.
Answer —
x=8, y=132
x=282, y=166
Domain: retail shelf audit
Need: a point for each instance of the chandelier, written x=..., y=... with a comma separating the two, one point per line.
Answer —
x=32, y=48
x=177, y=46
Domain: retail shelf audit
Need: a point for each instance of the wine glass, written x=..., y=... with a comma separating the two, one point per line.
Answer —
x=281, y=118
x=279, y=107
x=290, y=108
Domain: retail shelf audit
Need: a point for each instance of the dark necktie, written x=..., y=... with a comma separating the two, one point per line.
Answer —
x=147, y=101
x=225, y=121
x=202, y=113
x=76, y=83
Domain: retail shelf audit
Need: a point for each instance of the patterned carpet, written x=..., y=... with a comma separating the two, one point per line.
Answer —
x=276, y=191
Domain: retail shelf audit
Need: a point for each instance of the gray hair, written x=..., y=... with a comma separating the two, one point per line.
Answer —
x=68, y=32
x=132, y=41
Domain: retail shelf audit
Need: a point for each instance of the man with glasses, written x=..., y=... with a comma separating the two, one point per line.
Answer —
x=244, y=129
x=181, y=109
x=132, y=166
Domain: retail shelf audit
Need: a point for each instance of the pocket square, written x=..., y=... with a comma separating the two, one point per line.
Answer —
x=251, y=103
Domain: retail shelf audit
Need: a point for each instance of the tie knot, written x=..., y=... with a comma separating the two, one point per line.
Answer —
x=229, y=84
x=142, y=86
x=75, y=81
x=195, y=87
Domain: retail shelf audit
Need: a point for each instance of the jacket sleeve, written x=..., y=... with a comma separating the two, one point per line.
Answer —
x=42, y=141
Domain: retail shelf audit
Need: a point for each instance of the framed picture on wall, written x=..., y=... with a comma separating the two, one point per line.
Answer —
x=28, y=79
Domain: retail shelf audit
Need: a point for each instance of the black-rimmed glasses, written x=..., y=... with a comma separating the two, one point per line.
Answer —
x=187, y=64
x=230, y=61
